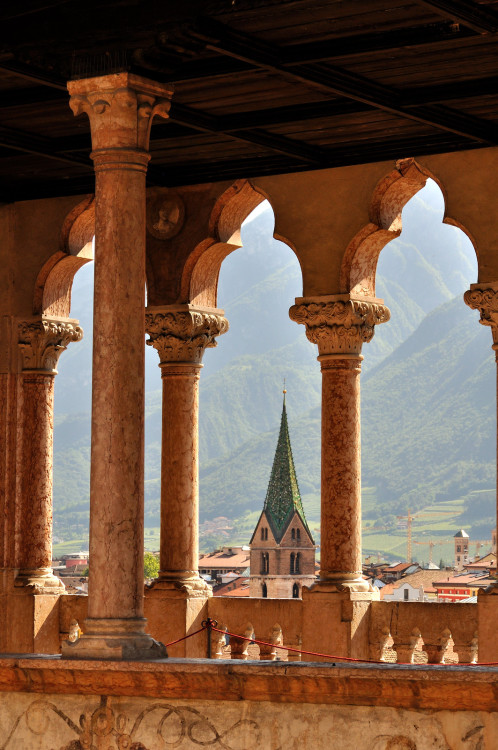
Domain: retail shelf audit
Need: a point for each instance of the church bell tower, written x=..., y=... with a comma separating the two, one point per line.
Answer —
x=282, y=548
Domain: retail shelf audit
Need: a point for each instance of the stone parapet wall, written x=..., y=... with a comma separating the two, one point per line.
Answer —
x=50, y=703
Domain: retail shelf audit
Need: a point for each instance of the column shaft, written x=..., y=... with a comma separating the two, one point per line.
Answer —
x=181, y=333
x=180, y=471
x=340, y=325
x=41, y=341
x=116, y=480
x=341, y=468
x=35, y=481
x=120, y=108
x=484, y=297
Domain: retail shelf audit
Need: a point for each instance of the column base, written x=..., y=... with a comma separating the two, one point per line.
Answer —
x=115, y=639
x=178, y=585
x=333, y=585
x=39, y=581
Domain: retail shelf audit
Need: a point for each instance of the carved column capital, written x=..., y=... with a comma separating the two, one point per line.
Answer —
x=339, y=325
x=484, y=297
x=41, y=341
x=120, y=108
x=181, y=333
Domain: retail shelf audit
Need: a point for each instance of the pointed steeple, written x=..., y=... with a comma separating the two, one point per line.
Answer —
x=283, y=497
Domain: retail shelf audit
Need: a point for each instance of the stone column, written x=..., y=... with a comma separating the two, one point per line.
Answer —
x=120, y=108
x=180, y=334
x=484, y=297
x=41, y=342
x=340, y=325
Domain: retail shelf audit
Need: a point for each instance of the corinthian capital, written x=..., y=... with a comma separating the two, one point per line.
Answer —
x=484, y=297
x=120, y=108
x=42, y=341
x=181, y=333
x=339, y=324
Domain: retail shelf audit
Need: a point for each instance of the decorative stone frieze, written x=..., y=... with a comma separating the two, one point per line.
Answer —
x=339, y=325
x=182, y=334
x=485, y=299
x=42, y=341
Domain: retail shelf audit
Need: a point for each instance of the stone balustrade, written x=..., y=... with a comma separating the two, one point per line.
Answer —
x=402, y=632
x=418, y=632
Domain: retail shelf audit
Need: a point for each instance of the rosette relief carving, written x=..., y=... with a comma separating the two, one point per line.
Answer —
x=183, y=335
x=41, y=342
x=339, y=326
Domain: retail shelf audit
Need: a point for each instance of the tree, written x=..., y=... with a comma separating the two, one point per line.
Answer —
x=151, y=565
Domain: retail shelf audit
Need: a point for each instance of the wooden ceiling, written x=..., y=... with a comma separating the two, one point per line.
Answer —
x=261, y=86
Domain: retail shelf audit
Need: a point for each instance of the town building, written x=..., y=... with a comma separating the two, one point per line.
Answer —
x=225, y=560
x=459, y=587
x=415, y=587
x=461, y=549
x=337, y=113
x=282, y=548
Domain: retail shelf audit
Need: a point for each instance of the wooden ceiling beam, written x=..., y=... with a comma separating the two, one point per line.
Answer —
x=175, y=175
x=474, y=15
x=340, y=82
x=32, y=74
x=38, y=146
x=201, y=121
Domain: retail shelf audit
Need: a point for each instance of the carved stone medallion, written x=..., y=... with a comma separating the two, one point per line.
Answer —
x=165, y=214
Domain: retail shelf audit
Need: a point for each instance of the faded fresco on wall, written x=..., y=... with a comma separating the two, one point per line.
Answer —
x=66, y=722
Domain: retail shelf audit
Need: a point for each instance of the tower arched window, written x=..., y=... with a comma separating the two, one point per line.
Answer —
x=292, y=557
x=297, y=564
x=264, y=591
x=293, y=535
x=265, y=563
x=298, y=534
x=295, y=591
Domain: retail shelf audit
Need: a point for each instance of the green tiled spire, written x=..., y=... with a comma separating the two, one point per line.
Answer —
x=283, y=497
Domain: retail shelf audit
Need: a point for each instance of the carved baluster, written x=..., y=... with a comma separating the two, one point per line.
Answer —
x=379, y=643
x=405, y=645
x=270, y=653
x=467, y=649
x=436, y=650
x=239, y=646
x=297, y=643
x=218, y=643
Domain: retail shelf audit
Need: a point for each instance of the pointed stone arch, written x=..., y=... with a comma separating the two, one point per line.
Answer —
x=392, y=193
x=52, y=295
x=202, y=268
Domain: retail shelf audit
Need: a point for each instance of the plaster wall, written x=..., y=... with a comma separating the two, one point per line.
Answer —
x=73, y=722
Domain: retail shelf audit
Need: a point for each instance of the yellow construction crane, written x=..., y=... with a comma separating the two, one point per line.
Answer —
x=480, y=543
x=409, y=519
x=432, y=544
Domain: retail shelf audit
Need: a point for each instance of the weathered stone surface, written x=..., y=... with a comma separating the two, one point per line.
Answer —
x=120, y=109
x=340, y=325
x=147, y=706
x=40, y=342
x=180, y=334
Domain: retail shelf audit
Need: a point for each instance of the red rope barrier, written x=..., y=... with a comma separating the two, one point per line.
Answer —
x=323, y=656
x=185, y=637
